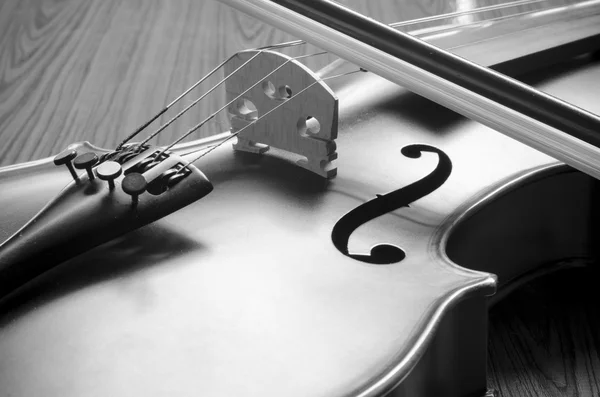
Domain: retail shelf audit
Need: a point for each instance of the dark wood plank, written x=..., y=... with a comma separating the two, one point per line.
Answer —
x=544, y=338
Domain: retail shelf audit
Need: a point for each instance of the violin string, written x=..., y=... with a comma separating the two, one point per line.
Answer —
x=222, y=127
x=214, y=87
x=430, y=34
x=196, y=84
x=425, y=35
x=161, y=128
x=446, y=16
x=282, y=45
x=199, y=125
x=210, y=148
x=164, y=126
x=197, y=150
x=260, y=49
x=233, y=135
x=465, y=12
x=301, y=42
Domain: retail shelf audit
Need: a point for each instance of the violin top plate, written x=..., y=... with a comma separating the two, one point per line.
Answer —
x=243, y=292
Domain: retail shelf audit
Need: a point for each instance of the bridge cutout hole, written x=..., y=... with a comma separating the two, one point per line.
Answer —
x=280, y=93
x=246, y=109
x=308, y=126
x=285, y=92
x=269, y=89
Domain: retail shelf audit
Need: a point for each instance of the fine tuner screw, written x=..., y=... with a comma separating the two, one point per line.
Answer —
x=85, y=162
x=65, y=158
x=134, y=184
x=109, y=171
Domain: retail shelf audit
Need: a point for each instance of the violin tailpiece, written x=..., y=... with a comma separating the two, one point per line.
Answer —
x=300, y=111
x=119, y=192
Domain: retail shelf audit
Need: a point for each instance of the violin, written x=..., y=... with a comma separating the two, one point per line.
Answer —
x=343, y=238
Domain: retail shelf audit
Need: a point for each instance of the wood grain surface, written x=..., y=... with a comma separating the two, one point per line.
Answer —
x=94, y=70
x=544, y=338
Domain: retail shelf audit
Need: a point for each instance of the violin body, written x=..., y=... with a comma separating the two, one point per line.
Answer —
x=245, y=293
x=281, y=282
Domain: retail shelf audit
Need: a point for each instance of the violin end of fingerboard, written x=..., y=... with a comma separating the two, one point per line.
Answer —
x=291, y=110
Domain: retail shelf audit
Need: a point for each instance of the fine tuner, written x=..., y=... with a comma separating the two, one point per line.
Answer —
x=133, y=183
x=109, y=171
x=119, y=192
x=85, y=162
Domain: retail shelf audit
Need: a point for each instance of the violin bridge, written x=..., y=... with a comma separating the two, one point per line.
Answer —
x=300, y=111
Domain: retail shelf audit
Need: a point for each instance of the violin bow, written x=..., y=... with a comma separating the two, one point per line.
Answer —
x=546, y=123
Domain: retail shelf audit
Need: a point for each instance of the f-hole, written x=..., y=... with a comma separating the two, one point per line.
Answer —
x=385, y=254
